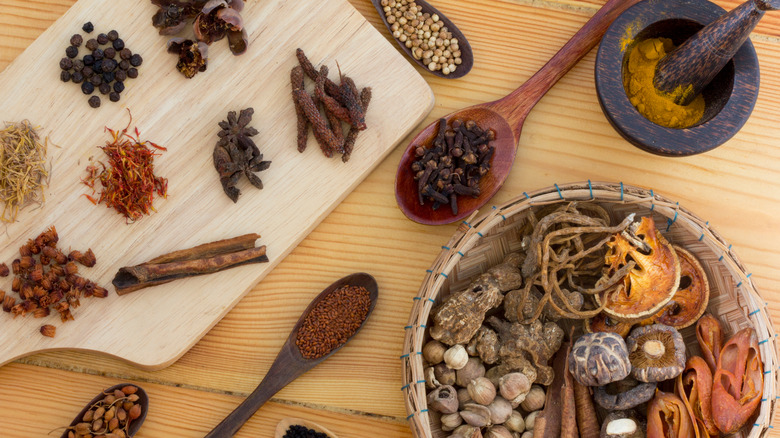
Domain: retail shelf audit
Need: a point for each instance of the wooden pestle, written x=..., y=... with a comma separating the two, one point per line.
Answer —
x=685, y=71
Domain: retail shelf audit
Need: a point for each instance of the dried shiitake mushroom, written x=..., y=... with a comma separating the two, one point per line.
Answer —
x=599, y=358
x=604, y=323
x=693, y=294
x=656, y=352
x=622, y=424
x=653, y=272
x=624, y=394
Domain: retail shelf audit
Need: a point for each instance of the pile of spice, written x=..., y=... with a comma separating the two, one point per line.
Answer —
x=296, y=431
x=340, y=103
x=23, y=173
x=111, y=415
x=104, y=69
x=127, y=183
x=453, y=167
x=423, y=33
x=332, y=321
x=236, y=154
x=45, y=278
x=213, y=21
x=656, y=106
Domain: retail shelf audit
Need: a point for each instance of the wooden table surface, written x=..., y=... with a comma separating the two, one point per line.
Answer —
x=356, y=393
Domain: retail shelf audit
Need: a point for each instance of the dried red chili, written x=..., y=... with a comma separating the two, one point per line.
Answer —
x=128, y=183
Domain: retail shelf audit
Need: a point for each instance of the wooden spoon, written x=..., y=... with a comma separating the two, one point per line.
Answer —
x=281, y=428
x=289, y=363
x=506, y=117
x=143, y=400
x=466, y=55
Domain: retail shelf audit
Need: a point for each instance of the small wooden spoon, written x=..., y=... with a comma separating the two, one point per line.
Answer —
x=466, y=55
x=506, y=117
x=289, y=363
x=281, y=428
x=143, y=400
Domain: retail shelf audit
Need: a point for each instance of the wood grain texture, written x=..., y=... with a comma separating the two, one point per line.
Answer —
x=566, y=138
x=180, y=114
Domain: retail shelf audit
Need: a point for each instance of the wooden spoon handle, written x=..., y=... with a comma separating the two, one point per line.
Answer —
x=520, y=102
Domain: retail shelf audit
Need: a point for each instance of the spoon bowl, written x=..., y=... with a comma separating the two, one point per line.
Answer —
x=281, y=428
x=504, y=116
x=290, y=363
x=466, y=55
x=143, y=400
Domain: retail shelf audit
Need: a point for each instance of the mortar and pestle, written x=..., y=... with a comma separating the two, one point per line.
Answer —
x=713, y=58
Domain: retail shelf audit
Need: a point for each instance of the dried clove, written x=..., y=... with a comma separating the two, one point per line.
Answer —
x=235, y=153
x=459, y=158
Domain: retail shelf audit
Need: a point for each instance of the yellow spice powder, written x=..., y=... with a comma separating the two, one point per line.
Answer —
x=654, y=105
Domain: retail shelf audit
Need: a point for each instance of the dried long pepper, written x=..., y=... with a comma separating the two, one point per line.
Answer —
x=128, y=181
x=23, y=173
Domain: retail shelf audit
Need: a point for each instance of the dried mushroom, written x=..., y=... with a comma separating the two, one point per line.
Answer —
x=738, y=383
x=604, y=323
x=622, y=424
x=709, y=333
x=656, y=352
x=652, y=272
x=694, y=386
x=461, y=314
x=667, y=417
x=535, y=342
x=599, y=358
x=693, y=294
x=624, y=394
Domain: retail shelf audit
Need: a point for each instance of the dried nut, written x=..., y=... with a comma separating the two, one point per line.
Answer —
x=476, y=415
x=534, y=400
x=451, y=421
x=500, y=410
x=466, y=431
x=433, y=352
x=498, y=432
x=481, y=390
x=442, y=399
x=456, y=357
x=430, y=378
x=599, y=358
x=515, y=422
x=473, y=369
x=444, y=374
x=463, y=398
x=621, y=424
x=514, y=387
x=530, y=420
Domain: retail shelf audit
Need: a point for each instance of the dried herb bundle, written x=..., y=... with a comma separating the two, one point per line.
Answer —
x=45, y=278
x=340, y=103
x=23, y=173
x=128, y=182
x=237, y=154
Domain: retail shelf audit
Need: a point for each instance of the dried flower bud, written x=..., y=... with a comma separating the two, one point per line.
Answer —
x=48, y=330
x=87, y=259
x=4, y=271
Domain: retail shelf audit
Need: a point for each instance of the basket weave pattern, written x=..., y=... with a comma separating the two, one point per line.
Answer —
x=482, y=243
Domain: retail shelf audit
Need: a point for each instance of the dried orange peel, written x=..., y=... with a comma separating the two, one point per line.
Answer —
x=653, y=280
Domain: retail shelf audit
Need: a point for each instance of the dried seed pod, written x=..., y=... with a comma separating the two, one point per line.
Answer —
x=444, y=374
x=451, y=421
x=482, y=391
x=456, y=357
x=442, y=399
x=500, y=410
x=535, y=399
x=476, y=415
x=473, y=369
x=433, y=352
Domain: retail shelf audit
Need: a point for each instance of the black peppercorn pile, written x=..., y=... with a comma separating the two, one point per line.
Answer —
x=296, y=431
x=453, y=167
x=104, y=69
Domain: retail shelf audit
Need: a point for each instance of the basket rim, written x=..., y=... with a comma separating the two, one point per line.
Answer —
x=475, y=227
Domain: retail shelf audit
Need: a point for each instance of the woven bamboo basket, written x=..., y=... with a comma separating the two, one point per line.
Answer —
x=482, y=243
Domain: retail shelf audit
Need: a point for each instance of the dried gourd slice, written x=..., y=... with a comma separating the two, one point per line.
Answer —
x=652, y=282
x=690, y=301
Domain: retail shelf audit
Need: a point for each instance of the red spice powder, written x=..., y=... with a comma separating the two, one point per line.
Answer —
x=332, y=321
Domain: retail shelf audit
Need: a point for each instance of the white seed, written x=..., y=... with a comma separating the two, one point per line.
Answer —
x=432, y=66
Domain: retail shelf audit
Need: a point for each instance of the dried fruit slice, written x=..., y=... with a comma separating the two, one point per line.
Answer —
x=652, y=282
x=603, y=323
x=693, y=294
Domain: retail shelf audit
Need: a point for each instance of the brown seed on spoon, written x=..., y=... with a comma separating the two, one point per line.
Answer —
x=108, y=408
x=505, y=117
x=466, y=55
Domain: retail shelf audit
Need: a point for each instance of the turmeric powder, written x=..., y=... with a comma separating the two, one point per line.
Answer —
x=656, y=106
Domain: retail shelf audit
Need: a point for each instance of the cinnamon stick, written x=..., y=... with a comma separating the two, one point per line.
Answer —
x=548, y=423
x=199, y=260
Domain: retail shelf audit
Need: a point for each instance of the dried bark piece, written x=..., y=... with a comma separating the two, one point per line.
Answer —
x=199, y=260
x=549, y=422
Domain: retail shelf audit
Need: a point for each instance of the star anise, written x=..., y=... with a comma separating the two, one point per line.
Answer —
x=173, y=15
x=237, y=154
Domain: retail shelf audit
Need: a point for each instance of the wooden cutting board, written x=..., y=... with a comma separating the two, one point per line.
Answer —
x=153, y=327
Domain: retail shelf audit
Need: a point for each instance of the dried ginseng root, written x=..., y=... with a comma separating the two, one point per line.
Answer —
x=46, y=278
x=117, y=412
x=23, y=173
x=339, y=102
